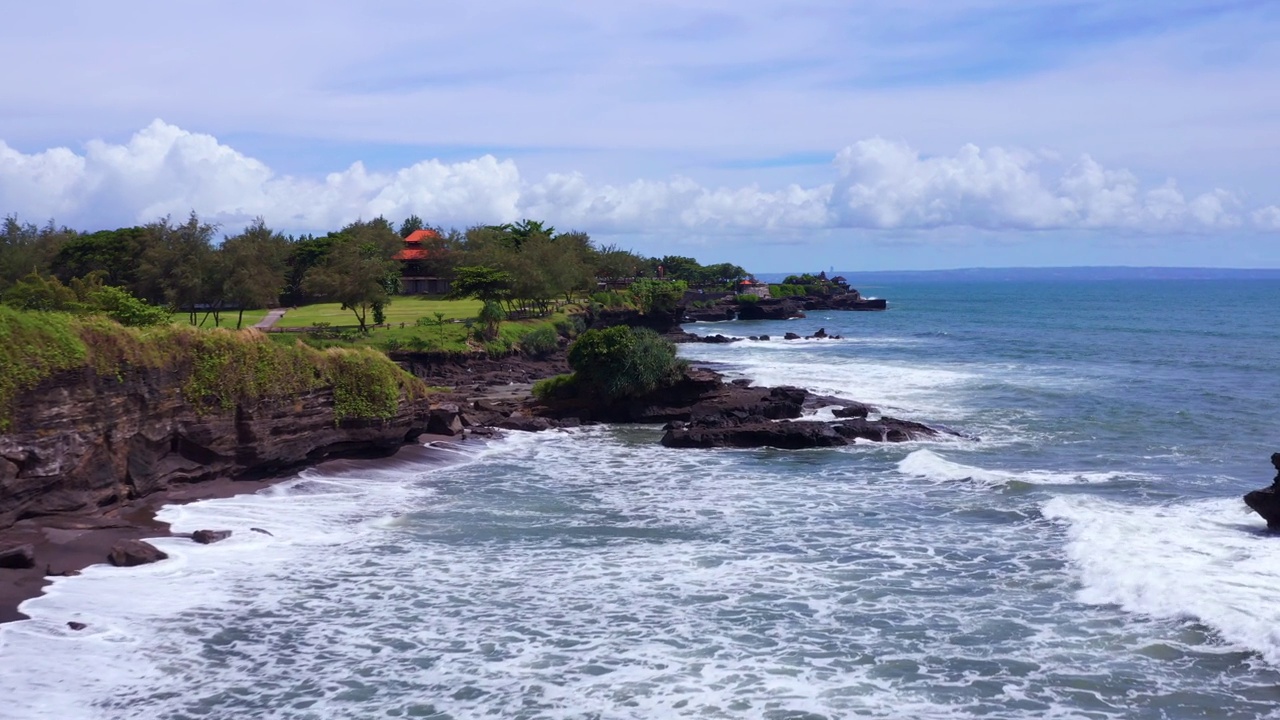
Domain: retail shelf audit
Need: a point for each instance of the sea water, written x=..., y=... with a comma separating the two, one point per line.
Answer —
x=1082, y=552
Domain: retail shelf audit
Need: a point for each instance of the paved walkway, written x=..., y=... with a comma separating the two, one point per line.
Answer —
x=273, y=317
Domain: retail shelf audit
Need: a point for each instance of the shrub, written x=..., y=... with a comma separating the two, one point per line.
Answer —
x=786, y=290
x=540, y=341
x=748, y=298
x=652, y=295
x=558, y=386
x=624, y=362
x=571, y=326
x=609, y=299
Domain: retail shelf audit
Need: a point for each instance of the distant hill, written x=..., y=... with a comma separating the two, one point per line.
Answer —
x=1047, y=274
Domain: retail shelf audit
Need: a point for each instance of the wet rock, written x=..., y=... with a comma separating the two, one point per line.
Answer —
x=445, y=419
x=718, y=339
x=260, y=530
x=764, y=338
x=18, y=558
x=1266, y=502
x=754, y=432
x=853, y=410
x=206, y=537
x=771, y=309
x=526, y=423
x=822, y=332
x=790, y=336
x=76, y=625
x=129, y=553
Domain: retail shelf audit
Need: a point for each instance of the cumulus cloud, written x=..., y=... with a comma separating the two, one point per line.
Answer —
x=877, y=184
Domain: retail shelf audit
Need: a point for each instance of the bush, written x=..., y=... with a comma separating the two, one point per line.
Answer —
x=624, y=362
x=748, y=298
x=571, y=326
x=540, y=341
x=558, y=386
x=657, y=295
x=786, y=290
x=609, y=299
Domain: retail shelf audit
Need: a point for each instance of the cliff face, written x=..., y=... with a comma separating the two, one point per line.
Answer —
x=80, y=442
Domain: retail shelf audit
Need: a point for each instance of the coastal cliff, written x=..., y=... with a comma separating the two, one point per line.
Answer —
x=82, y=442
x=101, y=415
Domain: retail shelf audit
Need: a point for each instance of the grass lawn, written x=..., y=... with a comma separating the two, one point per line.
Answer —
x=228, y=318
x=402, y=310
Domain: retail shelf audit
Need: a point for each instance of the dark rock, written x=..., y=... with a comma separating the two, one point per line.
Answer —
x=790, y=336
x=260, y=530
x=741, y=382
x=206, y=537
x=519, y=421
x=76, y=625
x=711, y=314
x=18, y=558
x=770, y=309
x=822, y=332
x=127, y=436
x=753, y=432
x=717, y=338
x=1266, y=502
x=128, y=553
x=853, y=410
x=445, y=419
x=764, y=337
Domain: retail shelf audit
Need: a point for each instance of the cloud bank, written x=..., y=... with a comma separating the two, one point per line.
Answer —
x=877, y=185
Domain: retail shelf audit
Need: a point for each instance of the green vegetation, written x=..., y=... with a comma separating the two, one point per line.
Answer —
x=86, y=295
x=407, y=310
x=621, y=362
x=218, y=368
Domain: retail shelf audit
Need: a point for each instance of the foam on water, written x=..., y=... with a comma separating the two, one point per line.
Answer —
x=931, y=466
x=1208, y=560
x=595, y=573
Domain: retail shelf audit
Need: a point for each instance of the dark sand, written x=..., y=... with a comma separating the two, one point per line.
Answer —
x=66, y=544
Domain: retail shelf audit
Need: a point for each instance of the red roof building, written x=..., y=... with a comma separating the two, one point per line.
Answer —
x=414, y=275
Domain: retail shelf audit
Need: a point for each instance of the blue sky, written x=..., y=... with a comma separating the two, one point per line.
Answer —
x=784, y=136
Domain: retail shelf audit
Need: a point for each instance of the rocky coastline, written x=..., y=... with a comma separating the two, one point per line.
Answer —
x=124, y=446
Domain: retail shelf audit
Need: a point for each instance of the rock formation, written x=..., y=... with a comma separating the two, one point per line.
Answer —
x=83, y=443
x=1266, y=502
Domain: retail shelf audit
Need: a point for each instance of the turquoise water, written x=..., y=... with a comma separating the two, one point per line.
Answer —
x=1087, y=556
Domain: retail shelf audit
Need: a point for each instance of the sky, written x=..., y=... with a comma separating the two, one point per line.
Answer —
x=783, y=136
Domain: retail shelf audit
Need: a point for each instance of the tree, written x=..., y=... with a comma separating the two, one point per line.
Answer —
x=480, y=282
x=114, y=253
x=410, y=225
x=358, y=270
x=177, y=266
x=491, y=317
x=256, y=263
x=25, y=248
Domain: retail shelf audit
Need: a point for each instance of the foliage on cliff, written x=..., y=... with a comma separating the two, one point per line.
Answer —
x=218, y=369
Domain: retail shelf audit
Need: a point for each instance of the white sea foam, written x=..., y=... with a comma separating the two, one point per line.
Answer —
x=931, y=466
x=1206, y=560
x=588, y=573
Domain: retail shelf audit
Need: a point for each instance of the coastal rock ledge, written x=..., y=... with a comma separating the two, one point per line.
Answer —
x=124, y=437
x=1266, y=502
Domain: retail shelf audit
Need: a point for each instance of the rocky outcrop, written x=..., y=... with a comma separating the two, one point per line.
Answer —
x=208, y=537
x=83, y=443
x=771, y=309
x=844, y=301
x=1266, y=502
x=754, y=431
x=18, y=558
x=131, y=553
x=715, y=313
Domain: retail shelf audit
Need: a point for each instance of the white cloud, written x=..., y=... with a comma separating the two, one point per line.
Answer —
x=878, y=185
x=1267, y=218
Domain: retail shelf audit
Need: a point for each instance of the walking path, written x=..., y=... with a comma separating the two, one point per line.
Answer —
x=273, y=317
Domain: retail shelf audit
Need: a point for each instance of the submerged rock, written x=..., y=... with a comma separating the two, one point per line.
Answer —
x=1266, y=502
x=206, y=537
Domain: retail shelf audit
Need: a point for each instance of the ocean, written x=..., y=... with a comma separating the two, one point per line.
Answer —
x=1082, y=553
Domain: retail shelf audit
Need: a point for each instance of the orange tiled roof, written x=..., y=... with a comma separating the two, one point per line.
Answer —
x=412, y=254
x=417, y=236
